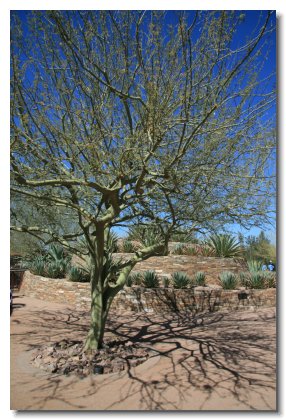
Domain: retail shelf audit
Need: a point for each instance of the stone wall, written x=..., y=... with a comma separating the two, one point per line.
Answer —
x=165, y=266
x=200, y=299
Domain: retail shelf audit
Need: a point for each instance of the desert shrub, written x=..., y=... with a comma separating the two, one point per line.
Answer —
x=128, y=282
x=257, y=280
x=270, y=279
x=37, y=265
x=180, y=280
x=54, y=270
x=112, y=242
x=254, y=265
x=224, y=245
x=147, y=235
x=150, y=279
x=228, y=280
x=244, y=279
x=127, y=246
x=184, y=249
x=76, y=274
x=205, y=250
x=136, y=279
x=179, y=249
x=200, y=279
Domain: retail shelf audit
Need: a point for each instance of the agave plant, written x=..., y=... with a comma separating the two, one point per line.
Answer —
x=147, y=235
x=257, y=280
x=224, y=245
x=112, y=242
x=37, y=265
x=200, y=279
x=150, y=279
x=127, y=246
x=76, y=274
x=54, y=270
x=57, y=255
x=136, y=279
x=180, y=280
x=254, y=265
x=244, y=279
x=228, y=280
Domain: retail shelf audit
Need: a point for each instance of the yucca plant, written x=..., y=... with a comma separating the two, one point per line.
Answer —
x=228, y=280
x=224, y=245
x=200, y=279
x=150, y=279
x=257, y=280
x=37, y=266
x=254, y=265
x=180, y=280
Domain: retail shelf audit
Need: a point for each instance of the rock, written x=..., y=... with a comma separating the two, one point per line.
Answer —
x=51, y=367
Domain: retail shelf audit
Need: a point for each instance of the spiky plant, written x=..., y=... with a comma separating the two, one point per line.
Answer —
x=127, y=246
x=200, y=279
x=180, y=280
x=76, y=274
x=224, y=245
x=112, y=242
x=254, y=265
x=150, y=279
x=257, y=280
x=37, y=265
x=136, y=279
x=147, y=235
x=244, y=279
x=54, y=270
x=228, y=280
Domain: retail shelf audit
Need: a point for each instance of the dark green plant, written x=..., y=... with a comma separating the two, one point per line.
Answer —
x=128, y=282
x=37, y=266
x=112, y=242
x=54, y=270
x=136, y=279
x=200, y=279
x=127, y=246
x=57, y=255
x=150, y=279
x=76, y=274
x=257, y=280
x=228, y=280
x=224, y=245
x=180, y=280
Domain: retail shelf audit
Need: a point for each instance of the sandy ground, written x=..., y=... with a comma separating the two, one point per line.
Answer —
x=220, y=361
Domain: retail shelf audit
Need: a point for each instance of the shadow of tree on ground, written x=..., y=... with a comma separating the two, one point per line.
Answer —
x=223, y=355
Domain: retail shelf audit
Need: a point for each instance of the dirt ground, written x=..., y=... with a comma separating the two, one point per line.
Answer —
x=219, y=361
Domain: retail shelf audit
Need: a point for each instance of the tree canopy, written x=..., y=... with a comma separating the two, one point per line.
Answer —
x=122, y=118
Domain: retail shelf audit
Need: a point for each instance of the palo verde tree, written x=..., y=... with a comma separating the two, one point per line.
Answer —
x=131, y=117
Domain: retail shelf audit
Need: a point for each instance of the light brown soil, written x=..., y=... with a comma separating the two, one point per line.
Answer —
x=220, y=361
